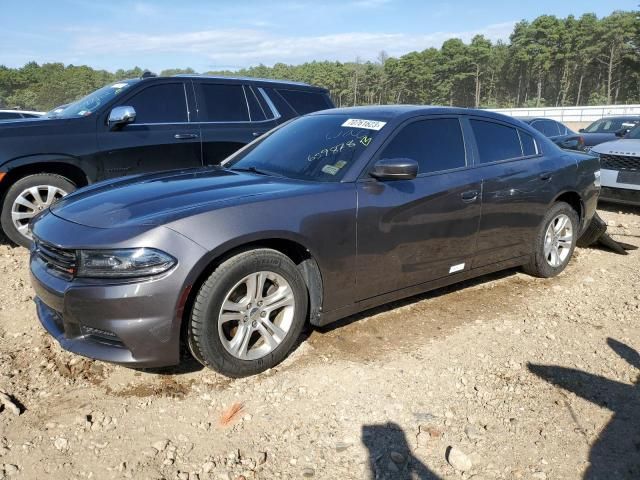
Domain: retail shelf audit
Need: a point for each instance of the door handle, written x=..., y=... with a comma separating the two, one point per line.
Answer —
x=545, y=176
x=469, y=196
x=258, y=134
x=185, y=136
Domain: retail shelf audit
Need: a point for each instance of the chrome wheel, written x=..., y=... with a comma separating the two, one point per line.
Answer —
x=558, y=240
x=256, y=315
x=31, y=202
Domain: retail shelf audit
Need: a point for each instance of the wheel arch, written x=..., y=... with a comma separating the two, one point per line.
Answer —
x=64, y=166
x=293, y=249
x=574, y=199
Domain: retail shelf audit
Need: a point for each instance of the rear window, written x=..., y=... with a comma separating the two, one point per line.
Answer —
x=305, y=102
x=548, y=128
x=256, y=112
x=528, y=144
x=496, y=141
x=222, y=103
x=281, y=105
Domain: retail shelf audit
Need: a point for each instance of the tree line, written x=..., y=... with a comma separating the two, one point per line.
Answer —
x=549, y=61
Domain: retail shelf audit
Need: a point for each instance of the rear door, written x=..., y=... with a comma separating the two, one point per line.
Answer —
x=516, y=189
x=162, y=137
x=413, y=231
x=229, y=116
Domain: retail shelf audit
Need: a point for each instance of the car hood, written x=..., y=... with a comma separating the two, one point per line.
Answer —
x=625, y=146
x=591, y=139
x=163, y=197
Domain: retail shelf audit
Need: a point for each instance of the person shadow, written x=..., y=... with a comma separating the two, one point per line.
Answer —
x=390, y=456
x=616, y=453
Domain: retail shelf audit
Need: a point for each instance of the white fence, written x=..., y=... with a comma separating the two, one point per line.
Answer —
x=571, y=114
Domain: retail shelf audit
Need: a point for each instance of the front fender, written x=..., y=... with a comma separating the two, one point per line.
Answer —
x=88, y=168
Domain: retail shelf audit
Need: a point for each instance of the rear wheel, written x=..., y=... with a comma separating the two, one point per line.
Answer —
x=248, y=314
x=28, y=197
x=555, y=242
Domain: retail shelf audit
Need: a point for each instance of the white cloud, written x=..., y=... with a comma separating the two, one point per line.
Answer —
x=245, y=47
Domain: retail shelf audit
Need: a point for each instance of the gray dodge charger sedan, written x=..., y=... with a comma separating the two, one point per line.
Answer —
x=328, y=215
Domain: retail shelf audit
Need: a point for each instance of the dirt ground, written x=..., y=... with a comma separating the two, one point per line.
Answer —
x=505, y=377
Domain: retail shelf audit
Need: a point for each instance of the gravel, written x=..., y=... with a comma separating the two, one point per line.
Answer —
x=506, y=377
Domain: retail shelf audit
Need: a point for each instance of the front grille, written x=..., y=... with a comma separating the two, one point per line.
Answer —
x=619, y=162
x=58, y=260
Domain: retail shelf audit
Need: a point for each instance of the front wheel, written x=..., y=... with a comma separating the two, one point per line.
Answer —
x=555, y=242
x=28, y=197
x=248, y=314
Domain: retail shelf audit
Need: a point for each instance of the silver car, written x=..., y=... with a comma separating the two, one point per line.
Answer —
x=620, y=168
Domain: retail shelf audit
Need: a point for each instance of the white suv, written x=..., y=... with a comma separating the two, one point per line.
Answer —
x=620, y=168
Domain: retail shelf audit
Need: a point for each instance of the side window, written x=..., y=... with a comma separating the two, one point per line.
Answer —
x=285, y=110
x=551, y=128
x=260, y=94
x=221, y=102
x=561, y=128
x=538, y=125
x=256, y=112
x=528, y=144
x=305, y=102
x=496, y=141
x=435, y=144
x=164, y=103
x=9, y=115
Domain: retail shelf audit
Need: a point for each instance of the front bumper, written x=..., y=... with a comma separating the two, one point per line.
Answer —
x=135, y=323
x=620, y=186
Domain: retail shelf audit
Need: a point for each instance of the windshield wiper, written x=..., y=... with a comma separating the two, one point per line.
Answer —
x=253, y=170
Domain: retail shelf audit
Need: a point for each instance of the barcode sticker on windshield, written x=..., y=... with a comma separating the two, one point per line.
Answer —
x=368, y=124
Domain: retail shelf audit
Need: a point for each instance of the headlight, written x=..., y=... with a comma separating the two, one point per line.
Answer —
x=125, y=263
x=596, y=180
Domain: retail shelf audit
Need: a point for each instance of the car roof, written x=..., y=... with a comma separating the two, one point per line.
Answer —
x=620, y=117
x=250, y=80
x=395, y=111
x=531, y=119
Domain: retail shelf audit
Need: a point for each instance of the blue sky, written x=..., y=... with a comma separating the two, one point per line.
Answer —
x=210, y=35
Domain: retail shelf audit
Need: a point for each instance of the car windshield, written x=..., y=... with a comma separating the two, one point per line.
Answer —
x=89, y=104
x=634, y=133
x=610, y=125
x=317, y=148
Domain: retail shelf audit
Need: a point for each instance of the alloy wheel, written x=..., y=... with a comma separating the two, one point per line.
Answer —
x=256, y=315
x=558, y=240
x=32, y=201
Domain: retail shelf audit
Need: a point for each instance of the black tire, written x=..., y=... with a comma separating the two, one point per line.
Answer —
x=597, y=227
x=202, y=330
x=40, y=179
x=538, y=266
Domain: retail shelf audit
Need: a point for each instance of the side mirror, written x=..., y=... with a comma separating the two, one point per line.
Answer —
x=120, y=116
x=395, y=169
x=581, y=130
x=622, y=132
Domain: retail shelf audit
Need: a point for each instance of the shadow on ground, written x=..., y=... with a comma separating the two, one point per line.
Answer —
x=390, y=456
x=618, y=207
x=616, y=452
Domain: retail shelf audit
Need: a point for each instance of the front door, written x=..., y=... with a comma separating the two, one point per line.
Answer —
x=160, y=138
x=414, y=231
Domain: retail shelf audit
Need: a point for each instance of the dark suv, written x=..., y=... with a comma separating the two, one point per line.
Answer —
x=138, y=126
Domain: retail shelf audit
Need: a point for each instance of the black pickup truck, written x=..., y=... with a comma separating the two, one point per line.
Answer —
x=137, y=126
